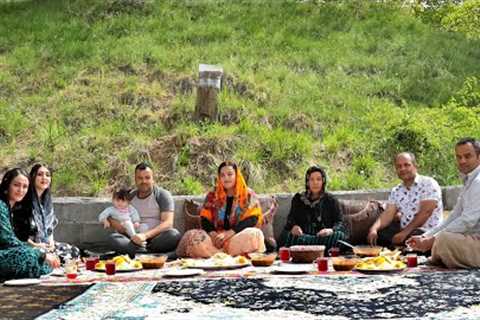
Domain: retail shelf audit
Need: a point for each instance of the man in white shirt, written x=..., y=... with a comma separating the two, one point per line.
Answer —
x=456, y=242
x=414, y=206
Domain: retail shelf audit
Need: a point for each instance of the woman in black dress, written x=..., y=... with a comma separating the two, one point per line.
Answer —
x=315, y=216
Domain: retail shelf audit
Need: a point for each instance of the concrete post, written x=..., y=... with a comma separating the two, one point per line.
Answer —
x=209, y=83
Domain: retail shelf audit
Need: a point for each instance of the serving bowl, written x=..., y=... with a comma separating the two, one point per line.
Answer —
x=153, y=262
x=262, y=260
x=344, y=263
x=306, y=254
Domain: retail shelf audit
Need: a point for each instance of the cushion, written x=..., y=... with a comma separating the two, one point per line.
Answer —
x=192, y=209
x=269, y=209
x=359, y=216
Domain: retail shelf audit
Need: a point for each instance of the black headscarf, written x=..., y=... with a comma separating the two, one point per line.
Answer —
x=311, y=170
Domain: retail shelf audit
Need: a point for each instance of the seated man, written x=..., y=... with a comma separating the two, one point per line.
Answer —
x=156, y=208
x=456, y=242
x=416, y=202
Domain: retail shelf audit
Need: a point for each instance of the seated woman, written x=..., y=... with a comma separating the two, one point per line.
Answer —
x=34, y=220
x=18, y=259
x=230, y=218
x=315, y=216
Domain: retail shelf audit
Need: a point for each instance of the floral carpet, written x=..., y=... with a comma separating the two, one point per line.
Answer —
x=434, y=295
x=30, y=302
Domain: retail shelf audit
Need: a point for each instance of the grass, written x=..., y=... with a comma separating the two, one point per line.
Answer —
x=92, y=87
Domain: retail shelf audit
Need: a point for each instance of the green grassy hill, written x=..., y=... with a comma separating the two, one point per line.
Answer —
x=93, y=87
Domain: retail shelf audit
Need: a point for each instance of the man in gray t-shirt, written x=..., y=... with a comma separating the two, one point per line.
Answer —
x=156, y=208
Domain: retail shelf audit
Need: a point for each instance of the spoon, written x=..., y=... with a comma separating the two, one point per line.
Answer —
x=346, y=243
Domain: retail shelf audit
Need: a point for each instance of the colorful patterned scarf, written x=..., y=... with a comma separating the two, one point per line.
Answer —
x=245, y=204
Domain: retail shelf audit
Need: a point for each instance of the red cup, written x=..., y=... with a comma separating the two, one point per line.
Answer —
x=91, y=262
x=334, y=251
x=412, y=261
x=284, y=254
x=322, y=264
x=110, y=268
x=72, y=275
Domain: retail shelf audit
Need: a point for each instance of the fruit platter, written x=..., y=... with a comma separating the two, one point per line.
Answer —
x=122, y=264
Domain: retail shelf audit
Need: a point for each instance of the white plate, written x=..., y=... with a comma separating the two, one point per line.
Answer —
x=380, y=271
x=292, y=269
x=22, y=282
x=180, y=273
x=222, y=267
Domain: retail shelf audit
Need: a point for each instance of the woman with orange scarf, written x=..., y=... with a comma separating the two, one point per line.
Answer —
x=230, y=218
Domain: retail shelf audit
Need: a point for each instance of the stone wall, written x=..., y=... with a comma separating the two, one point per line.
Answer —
x=78, y=216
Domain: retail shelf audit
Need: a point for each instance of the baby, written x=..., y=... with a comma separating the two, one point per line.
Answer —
x=122, y=212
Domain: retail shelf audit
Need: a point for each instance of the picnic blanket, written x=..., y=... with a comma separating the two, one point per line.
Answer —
x=413, y=295
x=30, y=302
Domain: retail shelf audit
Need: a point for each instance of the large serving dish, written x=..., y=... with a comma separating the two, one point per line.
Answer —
x=380, y=264
x=219, y=261
x=379, y=271
x=306, y=254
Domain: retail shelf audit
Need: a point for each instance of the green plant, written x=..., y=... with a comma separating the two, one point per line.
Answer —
x=190, y=185
x=95, y=86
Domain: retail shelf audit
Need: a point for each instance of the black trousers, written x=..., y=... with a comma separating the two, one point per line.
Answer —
x=385, y=235
x=165, y=242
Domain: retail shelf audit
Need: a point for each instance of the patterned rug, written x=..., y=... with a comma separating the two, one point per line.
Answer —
x=32, y=301
x=436, y=295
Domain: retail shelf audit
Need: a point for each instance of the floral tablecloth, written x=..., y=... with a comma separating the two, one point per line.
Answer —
x=414, y=295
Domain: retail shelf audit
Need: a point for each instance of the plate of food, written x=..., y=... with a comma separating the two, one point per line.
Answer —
x=381, y=264
x=220, y=261
x=183, y=273
x=122, y=264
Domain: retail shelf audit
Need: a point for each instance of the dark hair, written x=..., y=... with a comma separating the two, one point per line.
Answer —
x=23, y=221
x=313, y=169
x=143, y=166
x=121, y=193
x=475, y=143
x=227, y=163
x=33, y=175
x=7, y=180
x=406, y=153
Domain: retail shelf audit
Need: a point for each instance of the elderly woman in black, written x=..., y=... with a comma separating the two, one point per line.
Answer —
x=315, y=216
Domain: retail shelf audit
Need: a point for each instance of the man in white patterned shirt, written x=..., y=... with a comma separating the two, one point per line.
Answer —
x=414, y=206
x=456, y=242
